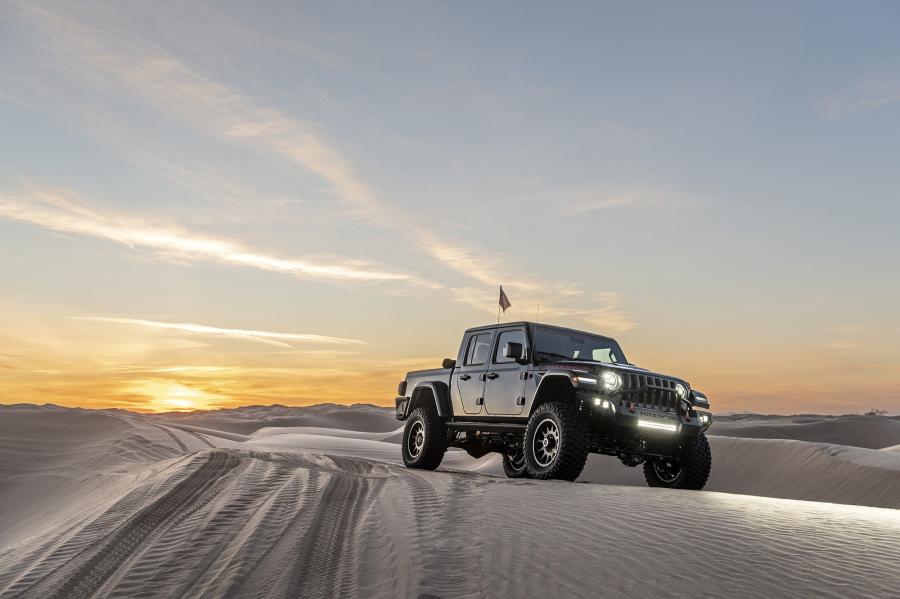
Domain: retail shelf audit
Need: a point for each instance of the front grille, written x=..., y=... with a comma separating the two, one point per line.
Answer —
x=651, y=392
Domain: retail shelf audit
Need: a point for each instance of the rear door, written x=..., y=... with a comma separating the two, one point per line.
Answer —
x=470, y=376
x=504, y=392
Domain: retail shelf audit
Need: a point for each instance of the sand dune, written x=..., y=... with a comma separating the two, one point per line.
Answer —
x=871, y=432
x=119, y=505
x=247, y=420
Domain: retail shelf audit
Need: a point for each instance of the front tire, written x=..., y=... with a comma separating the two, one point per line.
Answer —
x=557, y=442
x=424, y=439
x=689, y=470
x=514, y=464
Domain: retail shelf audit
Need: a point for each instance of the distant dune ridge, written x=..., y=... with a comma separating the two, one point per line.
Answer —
x=281, y=501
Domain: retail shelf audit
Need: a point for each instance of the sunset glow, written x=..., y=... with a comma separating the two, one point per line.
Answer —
x=245, y=209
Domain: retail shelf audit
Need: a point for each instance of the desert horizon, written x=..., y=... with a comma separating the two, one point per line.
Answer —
x=389, y=408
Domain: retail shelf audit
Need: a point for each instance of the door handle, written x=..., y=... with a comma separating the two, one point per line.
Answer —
x=464, y=377
x=493, y=375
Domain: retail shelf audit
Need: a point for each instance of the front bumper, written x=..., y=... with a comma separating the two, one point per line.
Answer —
x=610, y=417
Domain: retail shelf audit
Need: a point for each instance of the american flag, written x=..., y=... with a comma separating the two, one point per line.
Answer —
x=504, y=301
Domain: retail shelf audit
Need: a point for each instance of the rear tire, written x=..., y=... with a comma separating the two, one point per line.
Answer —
x=557, y=442
x=688, y=471
x=424, y=439
x=514, y=465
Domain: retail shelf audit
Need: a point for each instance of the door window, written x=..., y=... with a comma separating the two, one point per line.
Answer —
x=479, y=348
x=517, y=336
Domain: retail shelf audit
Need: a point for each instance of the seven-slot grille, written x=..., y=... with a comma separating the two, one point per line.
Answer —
x=650, y=391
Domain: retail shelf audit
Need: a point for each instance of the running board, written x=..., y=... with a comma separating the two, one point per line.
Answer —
x=488, y=427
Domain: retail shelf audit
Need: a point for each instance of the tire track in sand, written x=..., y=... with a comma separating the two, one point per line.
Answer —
x=322, y=566
x=180, y=443
x=202, y=439
x=89, y=577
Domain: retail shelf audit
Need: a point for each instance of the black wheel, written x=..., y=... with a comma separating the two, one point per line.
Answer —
x=424, y=439
x=689, y=470
x=514, y=465
x=556, y=442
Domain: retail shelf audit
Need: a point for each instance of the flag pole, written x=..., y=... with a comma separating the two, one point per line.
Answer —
x=498, y=306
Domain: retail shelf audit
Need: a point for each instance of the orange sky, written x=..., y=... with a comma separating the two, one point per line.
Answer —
x=296, y=207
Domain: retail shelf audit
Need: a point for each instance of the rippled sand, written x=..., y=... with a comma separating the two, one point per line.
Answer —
x=117, y=506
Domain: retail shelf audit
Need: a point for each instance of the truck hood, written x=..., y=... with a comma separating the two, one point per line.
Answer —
x=596, y=367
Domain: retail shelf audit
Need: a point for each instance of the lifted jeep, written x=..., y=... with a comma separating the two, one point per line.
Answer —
x=545, y=397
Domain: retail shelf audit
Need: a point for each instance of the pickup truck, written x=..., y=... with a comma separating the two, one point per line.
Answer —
x=545, y=397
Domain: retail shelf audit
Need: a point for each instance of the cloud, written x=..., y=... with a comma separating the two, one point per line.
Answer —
x=268, y=337
x=116, y=61
x=580, y=207
x=872, y=92
x=605, y=312
x=656, y=197
x=56, y=212
x=88, y=51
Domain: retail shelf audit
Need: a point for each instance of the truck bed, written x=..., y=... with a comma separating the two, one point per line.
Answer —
x=432, y=374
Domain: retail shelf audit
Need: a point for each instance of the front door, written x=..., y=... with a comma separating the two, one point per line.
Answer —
x=470, y=377
x=504, y=392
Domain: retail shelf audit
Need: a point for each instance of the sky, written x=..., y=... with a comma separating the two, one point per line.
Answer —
x=214, y=204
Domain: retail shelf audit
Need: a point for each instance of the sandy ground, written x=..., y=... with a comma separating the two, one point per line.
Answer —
x=287, y=502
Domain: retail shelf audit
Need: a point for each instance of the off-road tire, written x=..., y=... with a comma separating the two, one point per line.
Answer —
x=696, y=462
x=512, y=469
x=434, y=444
x=573, y=442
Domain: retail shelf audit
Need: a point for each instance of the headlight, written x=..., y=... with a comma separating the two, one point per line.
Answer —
x=704, y=419
x=680, y=390
x=611, y=381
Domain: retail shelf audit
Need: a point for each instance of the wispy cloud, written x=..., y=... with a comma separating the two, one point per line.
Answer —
x=89, y=51
x=55, y=211
x=872, y=92
x=605, y=311
x=653, y=196
x=268, y=337
x=217, y=110
x=591, y=205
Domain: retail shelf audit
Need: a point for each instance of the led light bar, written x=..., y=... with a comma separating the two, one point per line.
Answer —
x=660, y=426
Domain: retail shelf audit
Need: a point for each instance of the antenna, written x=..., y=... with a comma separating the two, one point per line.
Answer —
x=537, y=317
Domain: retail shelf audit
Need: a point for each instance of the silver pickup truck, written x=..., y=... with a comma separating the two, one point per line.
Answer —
x=545, y=397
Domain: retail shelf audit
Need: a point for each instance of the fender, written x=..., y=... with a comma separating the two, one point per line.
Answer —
x=438, y=390
x=575, y=380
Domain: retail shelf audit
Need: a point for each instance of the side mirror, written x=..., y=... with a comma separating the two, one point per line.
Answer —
x=448, y=363
x=514, y=350
x=700, y=400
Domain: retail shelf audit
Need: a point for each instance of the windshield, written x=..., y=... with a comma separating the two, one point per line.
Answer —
x=553, y=344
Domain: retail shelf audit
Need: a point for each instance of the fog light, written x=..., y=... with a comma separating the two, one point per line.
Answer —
x=704, y=418
x=604, y=404
x=659, y=426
